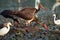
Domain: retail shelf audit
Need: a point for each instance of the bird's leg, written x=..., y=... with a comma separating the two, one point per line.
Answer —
x=28, y=22
x=18, y=20
x=36, y=20
x=43, y=24
x=33, y=19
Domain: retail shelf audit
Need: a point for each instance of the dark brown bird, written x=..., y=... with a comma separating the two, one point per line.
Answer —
x=26, y=13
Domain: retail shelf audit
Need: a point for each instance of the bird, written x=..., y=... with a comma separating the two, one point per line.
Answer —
x=57, y=22
x=27, y=14
x=5, y=28
x=56, y=5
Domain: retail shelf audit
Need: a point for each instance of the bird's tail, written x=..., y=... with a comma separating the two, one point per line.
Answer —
x=6, y=14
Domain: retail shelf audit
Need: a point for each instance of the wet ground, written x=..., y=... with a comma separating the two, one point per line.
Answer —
x=18, y=33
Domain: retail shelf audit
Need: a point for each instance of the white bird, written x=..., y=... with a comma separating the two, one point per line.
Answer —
x=5, y=28
x=56, y=5
x=57, y=22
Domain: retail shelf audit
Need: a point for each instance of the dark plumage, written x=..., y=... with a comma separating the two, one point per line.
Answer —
x=26, y=13
x=8, y=14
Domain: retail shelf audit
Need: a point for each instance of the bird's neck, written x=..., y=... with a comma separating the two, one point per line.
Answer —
x=54, y=18
x=8, y=26
x=37, y=7
x=37, y=2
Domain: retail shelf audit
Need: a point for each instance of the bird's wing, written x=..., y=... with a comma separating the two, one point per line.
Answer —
x=58, y=21
x=27, y=13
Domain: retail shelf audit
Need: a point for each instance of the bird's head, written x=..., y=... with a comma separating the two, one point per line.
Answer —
x=8, y=24
x=42, y=7
x=54, y=15
x=38, y=5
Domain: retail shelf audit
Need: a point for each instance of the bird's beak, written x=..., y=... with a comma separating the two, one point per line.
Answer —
x=41, y=6
x=12, y=25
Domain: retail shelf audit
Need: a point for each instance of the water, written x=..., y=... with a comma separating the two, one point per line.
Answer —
x=45, y=17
